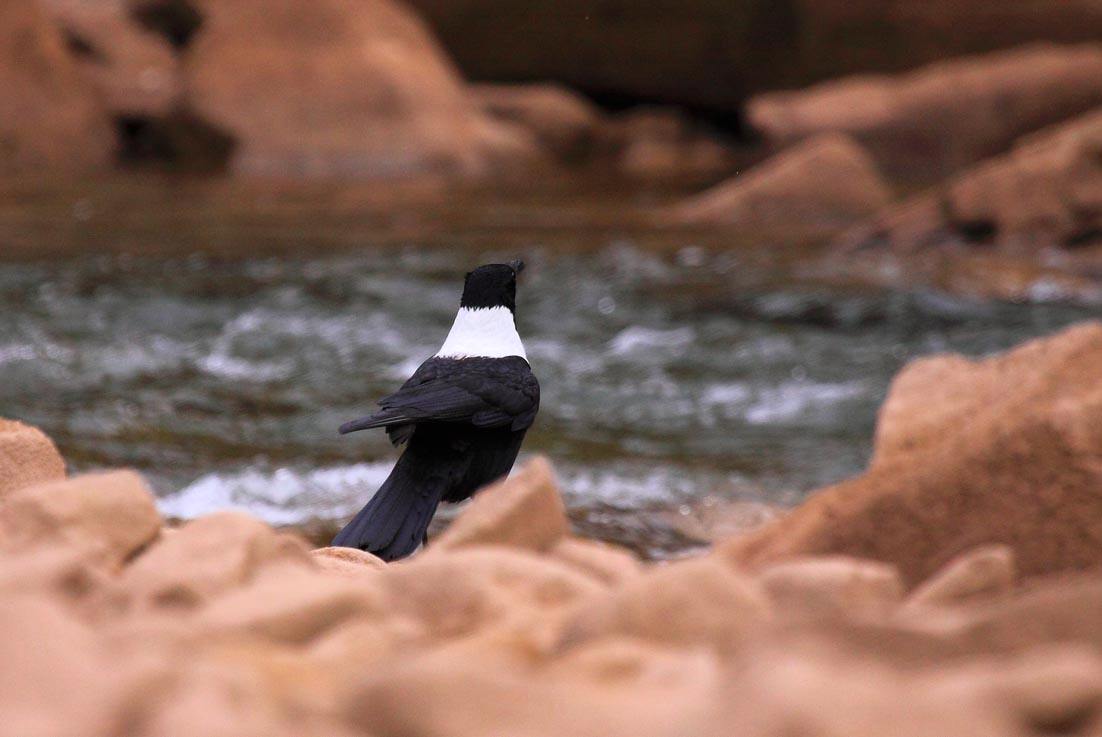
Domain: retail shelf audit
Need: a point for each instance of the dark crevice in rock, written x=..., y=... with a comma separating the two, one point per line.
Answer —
x=177, y=20
x=81, y=47
x=977, y=232
x=1087, y=236
x=179, y=141
x=731, y=123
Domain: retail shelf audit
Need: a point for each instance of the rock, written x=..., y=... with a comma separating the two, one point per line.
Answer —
x=524, y=511
x=712, y=518
x=607, y=563
x=710, y=56
x=462, y=593
x=929, y=123
x=1056, y=689
x=293, y=606
x=637, y=690
x=562, y=121
x=833, y=586
x=207, y=557
x=27, y=457
x=825, y=183
x=134, y=71
x=1045, y=193
x=961, y=462
x=346, y=561
x=63, y=577
x=982, y=572
x=57, y=682
x=657, y=142
x=110, y=515
x=337, y=88
x=49, y=115
x=697, y=602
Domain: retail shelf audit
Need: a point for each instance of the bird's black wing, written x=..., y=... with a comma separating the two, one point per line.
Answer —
x=484, y=392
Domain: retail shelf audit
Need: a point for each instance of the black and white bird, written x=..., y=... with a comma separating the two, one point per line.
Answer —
x=463, y=413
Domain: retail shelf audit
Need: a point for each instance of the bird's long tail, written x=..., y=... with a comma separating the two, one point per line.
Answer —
x=394, y=522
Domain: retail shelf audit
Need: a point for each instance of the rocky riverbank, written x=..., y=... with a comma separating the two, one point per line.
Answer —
x=951, y=589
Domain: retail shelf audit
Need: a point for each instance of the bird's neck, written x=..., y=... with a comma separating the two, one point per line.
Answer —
x=488, y=332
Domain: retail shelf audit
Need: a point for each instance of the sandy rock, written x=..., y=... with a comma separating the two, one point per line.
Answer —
x=206, y=557
x=64, y=577
x=1022, y=469
x=27, y=457
x=524, y=511
x=652, y=143
x=627, y=689
x=832, y=586
x=607, y=563
x=346, y=561
x=57, y=680
x=133, y=70
x=926, y=124
x=828, y=182
x=562, y=121
x=1053, y=689
x=691, y=603
x=110, y=515
x=468, y=592
x=292, y=606
x=49, y=114
x=1045, y=193
x=982, y=572
x=336, y=88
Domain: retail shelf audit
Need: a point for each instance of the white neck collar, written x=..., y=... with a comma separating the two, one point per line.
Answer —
x=487, y=332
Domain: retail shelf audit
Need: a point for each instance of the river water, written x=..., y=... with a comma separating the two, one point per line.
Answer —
x=673, y=370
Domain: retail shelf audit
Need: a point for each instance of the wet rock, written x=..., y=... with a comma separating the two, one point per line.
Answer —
x=926, y=124
x=832, y=586
x=134, y=71
x=337, y=88
x=524, y=511
x=49, y=115
x=824, y=184
x=346, y=561
x=562, y=121
x=696, y=602
x=1045, y=193
x=27, y=457
x=962, y=462
x=207, y=557
x=605, y=562
x=109, y=515
x=985, y=571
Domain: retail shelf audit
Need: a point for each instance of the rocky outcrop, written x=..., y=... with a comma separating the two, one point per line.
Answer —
x=50, y=118
x=1004, y=450
x=926, y=124
x=116, y=625
x=338, y=88
x=563, y=122
x=712, y=55
x=822, y=185
x=27, y=457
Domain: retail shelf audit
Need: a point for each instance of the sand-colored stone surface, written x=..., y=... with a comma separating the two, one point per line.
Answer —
x=112, y=625
x=926, y=124
x=1005, y=450
x=27, y=457
x=789, y=188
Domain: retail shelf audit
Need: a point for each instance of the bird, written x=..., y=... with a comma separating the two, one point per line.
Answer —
x=462, y=416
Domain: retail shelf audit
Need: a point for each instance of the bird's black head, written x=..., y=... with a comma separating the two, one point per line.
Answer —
x=492, y=285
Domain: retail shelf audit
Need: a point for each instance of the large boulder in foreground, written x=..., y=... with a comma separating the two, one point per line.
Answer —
x=1003, y=450
x=926, y=124
x=27, y=457
x=49, y=114
x=337, y=88
x=823, y=184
